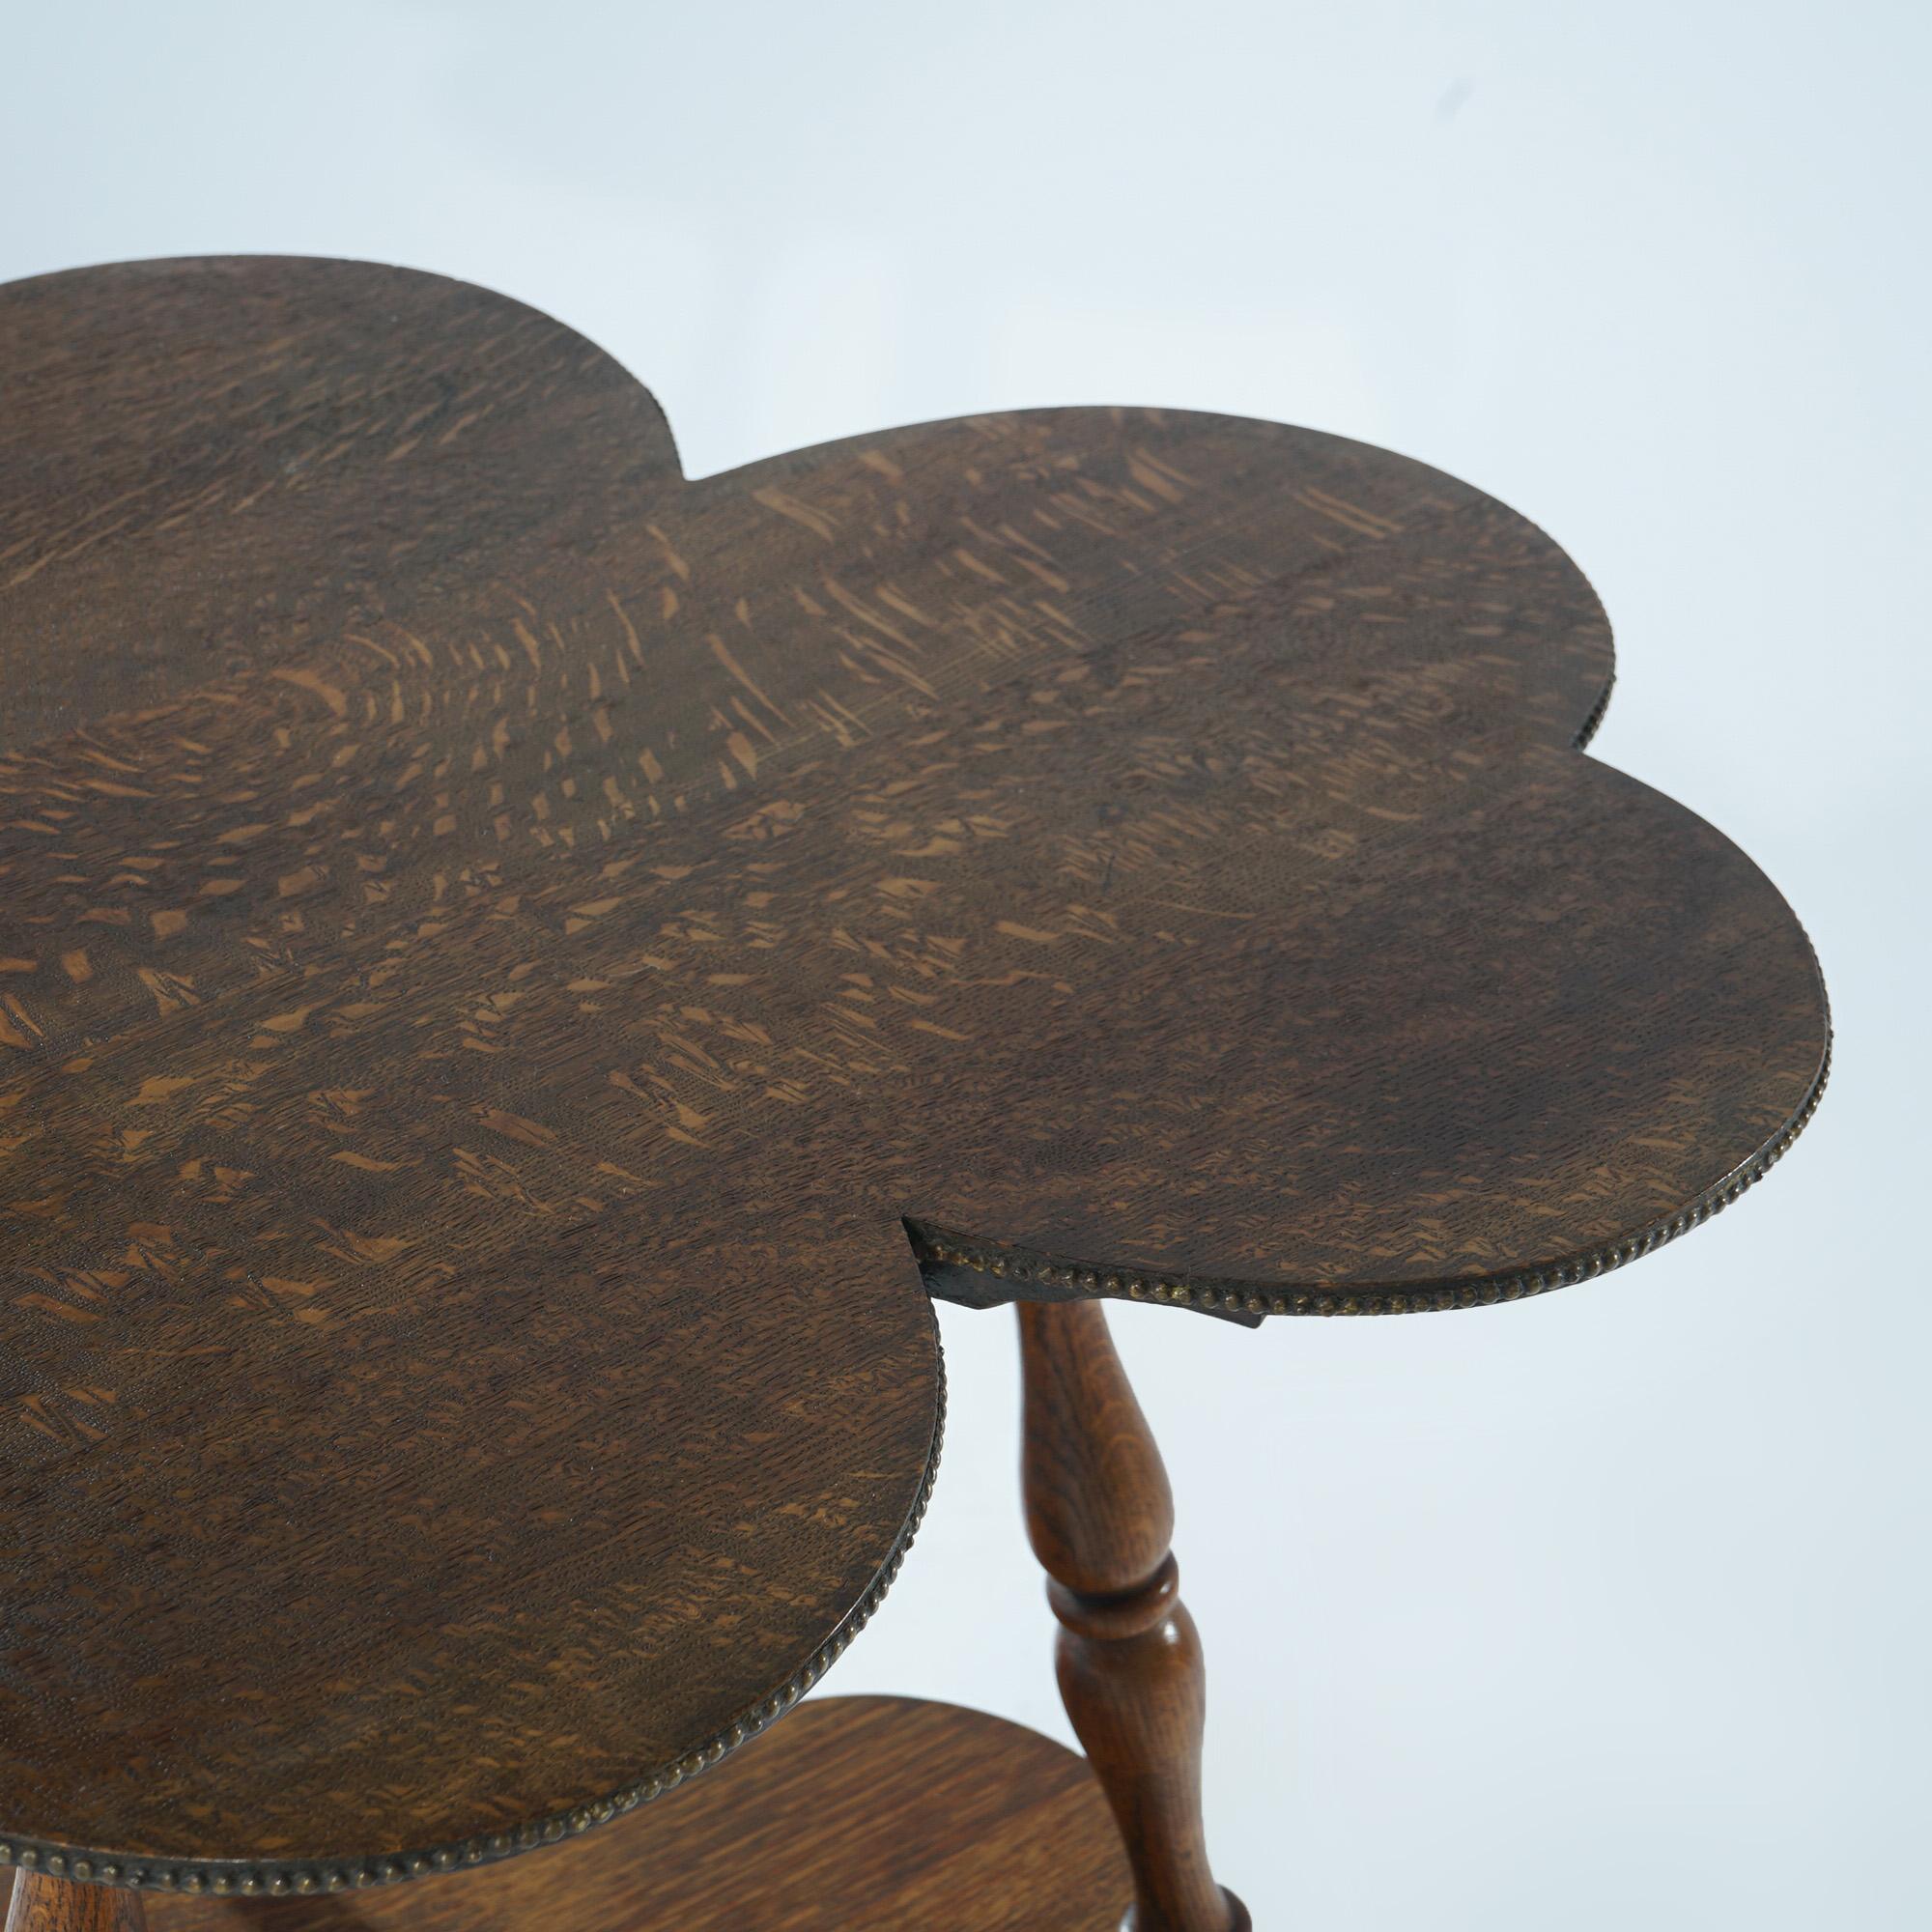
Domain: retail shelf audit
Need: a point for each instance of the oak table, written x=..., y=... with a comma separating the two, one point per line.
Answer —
x=522, y=976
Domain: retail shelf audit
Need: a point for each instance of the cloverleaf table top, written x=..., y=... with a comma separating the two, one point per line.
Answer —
x=521, y=973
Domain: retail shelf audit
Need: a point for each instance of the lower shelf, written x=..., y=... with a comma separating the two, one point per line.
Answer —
x=855, y=1814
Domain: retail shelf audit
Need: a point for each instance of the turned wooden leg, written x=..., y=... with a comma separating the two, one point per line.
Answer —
x=43, y=1903
x=1100, y=1517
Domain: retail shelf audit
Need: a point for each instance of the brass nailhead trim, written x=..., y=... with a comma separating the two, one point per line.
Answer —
x=338, y=1875
x=1589, y=728
x=1209, y=1295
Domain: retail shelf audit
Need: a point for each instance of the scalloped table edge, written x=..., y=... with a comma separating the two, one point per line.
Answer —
x=285, y=1878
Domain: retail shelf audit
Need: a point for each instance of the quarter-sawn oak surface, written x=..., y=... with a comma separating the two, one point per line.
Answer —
x=500, y=945
x=859, y=1814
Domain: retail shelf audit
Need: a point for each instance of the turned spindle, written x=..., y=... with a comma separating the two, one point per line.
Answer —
x=1101, y=1518
x=44, y=1903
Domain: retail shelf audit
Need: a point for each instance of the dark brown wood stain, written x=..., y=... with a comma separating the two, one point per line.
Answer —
x=497, y=944
x=1101, y=1518
x=42, y=1904
x=859, y=1814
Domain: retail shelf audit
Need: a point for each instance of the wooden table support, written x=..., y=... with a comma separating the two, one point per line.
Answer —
x=1101, y=1518
x=854, y=1814
x=45, y=1903
x=502, y=945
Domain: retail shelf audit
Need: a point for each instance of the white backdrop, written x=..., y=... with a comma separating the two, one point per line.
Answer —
x=1607, y=1611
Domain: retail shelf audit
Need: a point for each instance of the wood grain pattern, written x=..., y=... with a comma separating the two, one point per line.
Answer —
x=44, y=1904
x=1100, y=1518
x=859, y=1814
x=498, y=946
